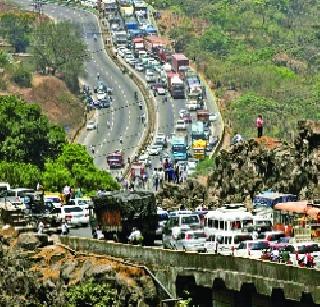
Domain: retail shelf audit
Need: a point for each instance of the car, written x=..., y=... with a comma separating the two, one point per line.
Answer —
x=251, y=249
x=75, y=215
x=191, y=240
x=101, y=95
x=191, y=166
x=138, y=67
x=187, y=119
x=144, y=158
x=213, y=116
x=83, y=203
x=129, y=58
x=120, y=51
x=154, y=150
x=159, y=89
x=105, y=103
x=212, y=143
x=183, y=113
x=91, y=125
x=132, y=62
x=180, y=125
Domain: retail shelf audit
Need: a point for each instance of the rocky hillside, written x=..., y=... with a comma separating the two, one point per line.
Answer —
x=32, y=275
x=253, y=166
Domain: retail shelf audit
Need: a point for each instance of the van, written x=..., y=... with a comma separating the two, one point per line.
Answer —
x=177, y=224
x=251, y=249
x=225, y=242
x=190, y=240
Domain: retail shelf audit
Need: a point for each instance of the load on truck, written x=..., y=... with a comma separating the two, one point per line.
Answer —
x=199, y=148
x=115, y=159
x=177, y=88
x=179, y=62
x=197, y=131
x=137, y=170
x=179, y=148
x=117, y=213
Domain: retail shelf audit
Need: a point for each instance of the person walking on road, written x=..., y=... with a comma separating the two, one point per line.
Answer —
x=259, y=124
x=40, y=228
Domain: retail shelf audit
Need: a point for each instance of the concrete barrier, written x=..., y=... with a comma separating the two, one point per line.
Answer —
x=234, y=271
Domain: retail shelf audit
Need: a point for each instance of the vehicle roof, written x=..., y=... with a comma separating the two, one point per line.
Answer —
x=180, y=57
x=234, y=215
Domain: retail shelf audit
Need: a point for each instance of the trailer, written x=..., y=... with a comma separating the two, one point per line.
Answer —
x=117, y=213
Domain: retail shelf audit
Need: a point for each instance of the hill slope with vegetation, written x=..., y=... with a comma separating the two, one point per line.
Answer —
x=264, y=54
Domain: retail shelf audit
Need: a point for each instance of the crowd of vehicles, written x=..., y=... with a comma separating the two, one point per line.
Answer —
x=169, y=76
x=232, y=230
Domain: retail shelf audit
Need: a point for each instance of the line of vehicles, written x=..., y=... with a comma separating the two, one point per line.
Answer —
x=232, y=230
x=169, y=76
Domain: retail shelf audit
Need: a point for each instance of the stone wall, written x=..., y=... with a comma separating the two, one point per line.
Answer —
x=206, y=268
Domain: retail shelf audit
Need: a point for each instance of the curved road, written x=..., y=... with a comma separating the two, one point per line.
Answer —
x=124, y=114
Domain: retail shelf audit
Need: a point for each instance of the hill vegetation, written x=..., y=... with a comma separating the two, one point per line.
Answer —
x=265, y=52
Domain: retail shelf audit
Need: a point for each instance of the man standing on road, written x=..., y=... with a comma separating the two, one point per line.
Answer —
x=259, y=124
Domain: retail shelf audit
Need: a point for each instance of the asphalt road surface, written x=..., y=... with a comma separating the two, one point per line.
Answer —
x=124, y=114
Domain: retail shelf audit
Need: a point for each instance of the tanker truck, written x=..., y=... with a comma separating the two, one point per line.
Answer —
x=116, y=213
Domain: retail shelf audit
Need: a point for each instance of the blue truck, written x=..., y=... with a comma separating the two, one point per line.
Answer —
x=179, y=148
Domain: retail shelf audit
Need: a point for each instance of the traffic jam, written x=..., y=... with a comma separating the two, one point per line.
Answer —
x=185, y=133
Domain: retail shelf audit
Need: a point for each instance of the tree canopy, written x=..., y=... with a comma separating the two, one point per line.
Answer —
x=25, y=134
x=58, y=46
x=75, y=167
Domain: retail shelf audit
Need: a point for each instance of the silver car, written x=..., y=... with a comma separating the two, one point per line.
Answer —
x=191, y=240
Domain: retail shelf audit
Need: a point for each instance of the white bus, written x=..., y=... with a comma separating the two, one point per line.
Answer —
x=228, y=221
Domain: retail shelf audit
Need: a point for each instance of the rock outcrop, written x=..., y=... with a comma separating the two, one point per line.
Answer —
x=45, y=276
x=250, y=167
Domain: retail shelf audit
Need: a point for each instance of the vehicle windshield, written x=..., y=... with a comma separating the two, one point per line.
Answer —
x=72, y=209
x=259, y=246
x=185, y=220
x=241, y=238
x=197, y=235
x=179, y=148
x=52, y=199
x=163, y=216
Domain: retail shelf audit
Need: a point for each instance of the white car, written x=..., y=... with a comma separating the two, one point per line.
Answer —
x=101, y=95
x=181, y=125
x=75, y=215
x=251, y=249
x=129, y=58
x=144, y=158
x=213, y=117
x=154, y=150
x=121, y=51
x=191, y=240
x=183, y=113
x=161, y=91
x=138, y=67
x=91, y=125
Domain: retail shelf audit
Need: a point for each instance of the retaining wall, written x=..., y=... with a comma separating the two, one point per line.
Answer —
x=206, y=268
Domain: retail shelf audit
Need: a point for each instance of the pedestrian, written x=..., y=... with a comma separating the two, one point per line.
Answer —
x=157, y=180
x=259, y=124
x=177, y=174
x=40, y=228
x=64, y=229
x=67, y=193
x=98, y=75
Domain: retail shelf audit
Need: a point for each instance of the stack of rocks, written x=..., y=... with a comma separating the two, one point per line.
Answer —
x=250, y=167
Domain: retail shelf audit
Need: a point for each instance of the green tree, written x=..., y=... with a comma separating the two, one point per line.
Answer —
x=20, y=174
x=58, y=47
x=25, y=132
x=91, y=293
x=16, y=28
x=22, y=76
x=75, y=167
x=56, y=176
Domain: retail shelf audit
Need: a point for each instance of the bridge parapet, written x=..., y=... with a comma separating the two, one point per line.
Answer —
x=207, y=268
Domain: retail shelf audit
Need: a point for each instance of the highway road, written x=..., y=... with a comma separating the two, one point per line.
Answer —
x=124, y=114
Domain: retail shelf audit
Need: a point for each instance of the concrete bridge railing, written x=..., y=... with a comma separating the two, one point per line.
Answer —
x=167, y=265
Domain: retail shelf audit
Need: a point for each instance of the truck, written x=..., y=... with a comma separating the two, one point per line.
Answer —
x=115, y=159
x=179, y=146
x=179, y=62
x=116, y=213
x=197, y=131
x=177, y=88
x=199, y=148
x=137, y=170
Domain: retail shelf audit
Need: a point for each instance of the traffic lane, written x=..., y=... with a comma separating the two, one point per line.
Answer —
x=130, y=121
